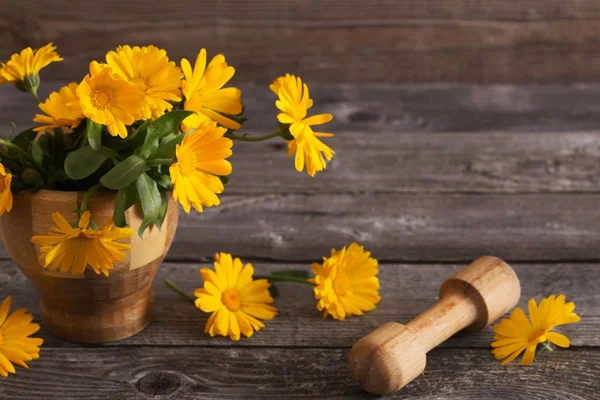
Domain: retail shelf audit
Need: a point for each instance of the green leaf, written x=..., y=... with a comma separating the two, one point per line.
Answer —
x=37, y=153
x=163, y=126
x=164, y=181
x=294, y=273
x=224, y=179
x=94, y=134
x=133, y=141
x=162, y=213
x=167, y=149
x=83, y=162
x=126, y=197
x=125, y=172
x=24, y=139
x=150, y=200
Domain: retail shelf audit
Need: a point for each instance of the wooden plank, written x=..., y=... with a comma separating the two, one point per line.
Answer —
x=209, y=373
x=384, y=162
x=396, y=227
x=487, y=41
x=312, y=12
x=372, y=110
x=406, y=291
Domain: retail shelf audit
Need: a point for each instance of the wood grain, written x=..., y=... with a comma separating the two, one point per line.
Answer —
x=211, y=373
x=485, y=41
x=407, y=290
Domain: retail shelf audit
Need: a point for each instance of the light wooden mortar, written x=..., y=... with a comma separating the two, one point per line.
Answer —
x=391, y=356
x=88, y=308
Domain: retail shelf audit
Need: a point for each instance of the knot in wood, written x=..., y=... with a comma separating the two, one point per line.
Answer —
x=158, y=383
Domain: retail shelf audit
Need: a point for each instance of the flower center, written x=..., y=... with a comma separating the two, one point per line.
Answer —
x=341, y=285
x=231, y=299
x=187, y=164
x=102, y=98
x=538, y=336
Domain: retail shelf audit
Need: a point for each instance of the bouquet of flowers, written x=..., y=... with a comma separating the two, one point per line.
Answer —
x=141, y=126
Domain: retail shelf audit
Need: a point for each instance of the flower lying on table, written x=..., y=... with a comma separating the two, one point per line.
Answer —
x=141, y=126
x=16, y=346
x=237, y=302
x=518, y=334
x=345, y=284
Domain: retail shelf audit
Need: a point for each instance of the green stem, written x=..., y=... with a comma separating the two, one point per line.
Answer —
x=283, y=279
x=546, y=345
x=87, y=195
x=35, y=96
x=246, y=138
x=176, y=289
x=160, y=161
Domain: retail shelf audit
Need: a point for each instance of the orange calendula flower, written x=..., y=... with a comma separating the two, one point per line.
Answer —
x=62, y=109
x=236, y=301
x=201, y=159
x=518, y=334
x=346, y=283
x=16, y=345
x=6, y=198
x=67, y=248
x=149, y=69
x=293, y=103
x=109, y=99
x=22, y=69
x=204, y=93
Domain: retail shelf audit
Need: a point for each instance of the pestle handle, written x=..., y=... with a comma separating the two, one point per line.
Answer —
x=394, y=354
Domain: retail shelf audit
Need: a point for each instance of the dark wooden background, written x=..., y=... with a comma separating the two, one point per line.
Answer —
x=443, y=154
x=330, y=41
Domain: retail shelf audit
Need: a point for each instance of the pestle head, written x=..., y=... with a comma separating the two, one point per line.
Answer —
x=491, y=284
x=374, y=360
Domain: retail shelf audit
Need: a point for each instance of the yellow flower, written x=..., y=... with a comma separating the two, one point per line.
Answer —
x=346, y=283
x=22, y=69
x=66, y=248
x=16, y=346
x=517, y=333
x=62, y=108
x=151, y=71
x=236, y=302
x=293, y=103
x=6, y=198
x=108, y=99
x=204, y=94
x=200, y=160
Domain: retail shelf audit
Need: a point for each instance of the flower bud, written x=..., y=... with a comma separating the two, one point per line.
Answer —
x=30, y=84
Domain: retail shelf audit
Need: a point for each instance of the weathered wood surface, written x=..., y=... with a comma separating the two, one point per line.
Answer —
x=225, y=373
x=406, y=290
x=428, y=179
x=483, y=41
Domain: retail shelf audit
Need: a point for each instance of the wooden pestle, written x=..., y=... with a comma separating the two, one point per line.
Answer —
x=392, y=355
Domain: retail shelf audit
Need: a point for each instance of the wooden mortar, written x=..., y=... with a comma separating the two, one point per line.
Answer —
x=88, y=308
x=391, y=356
